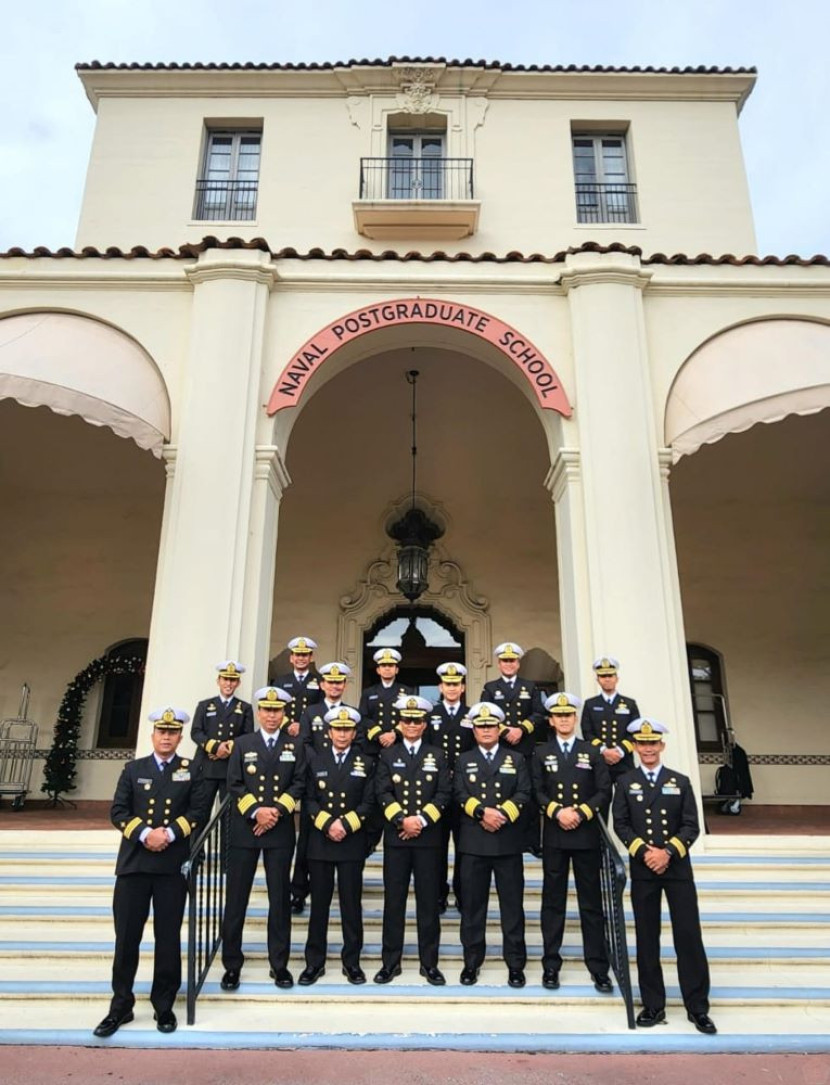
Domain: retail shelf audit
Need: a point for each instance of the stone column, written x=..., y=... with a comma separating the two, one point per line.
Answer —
x=629, y=557
x=219, y=517
x=565, y=484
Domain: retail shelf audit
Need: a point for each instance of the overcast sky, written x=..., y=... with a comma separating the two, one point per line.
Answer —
x=48, y=123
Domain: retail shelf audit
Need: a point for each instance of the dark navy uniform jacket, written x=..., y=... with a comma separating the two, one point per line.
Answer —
x=259, y=777
x=581, y=780
x=407, y=785
x=345, y=792
x=214, y=723
x=504, y=784
x=663, y=815
x=146, y=798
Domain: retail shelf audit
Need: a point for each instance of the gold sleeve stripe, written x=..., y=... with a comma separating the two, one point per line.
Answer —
x=184, y=825
x=432, y=812
x=211, y=744
x=511, y=809
x=470, y=806
x=322, y=820
x=352, y=819
x=681, y=847
x=628, y=745
x=131, y=827
x=586, y=810
x=288, y=801
x=230, y=744
x=244, y=804
x=527, y=725
x=373, y=732
x=635, y=845
x=392, y=811
x=551, y=809
x=596, y=741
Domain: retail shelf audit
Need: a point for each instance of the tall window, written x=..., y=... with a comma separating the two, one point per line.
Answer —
x=604, y=192
x=227, y=189
x=416, y=169
x=709, y=702
x=121, y=700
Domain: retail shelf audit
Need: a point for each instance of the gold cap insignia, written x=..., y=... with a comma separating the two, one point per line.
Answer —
x=484, y=713
x=168, y=716
x=271, y=695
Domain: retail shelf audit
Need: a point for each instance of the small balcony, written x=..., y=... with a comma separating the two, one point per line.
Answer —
x=429, y=198
x=225, y=201
x=606, y=203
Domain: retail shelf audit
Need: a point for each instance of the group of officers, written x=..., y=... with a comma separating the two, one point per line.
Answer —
x=414, y=774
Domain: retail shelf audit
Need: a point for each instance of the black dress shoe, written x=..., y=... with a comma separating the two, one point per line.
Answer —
x=550, y=979
x=386, y=975
x=433, y=975
x=647, y=1018
x=354, y=973
x=469, y=976
x=534, y=850
x=702, y=1022
x=230, y=980
x=311, y=975
x=602, y=982
x=166, y=1021
x=112, y=1024
x=282, y=977
x=297, y=905
x=515, y=977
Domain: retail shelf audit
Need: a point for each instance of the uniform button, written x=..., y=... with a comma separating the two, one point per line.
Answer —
x=166, y=821
x=262, y=777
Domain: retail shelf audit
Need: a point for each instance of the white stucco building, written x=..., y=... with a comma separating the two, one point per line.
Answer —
x=621, y=424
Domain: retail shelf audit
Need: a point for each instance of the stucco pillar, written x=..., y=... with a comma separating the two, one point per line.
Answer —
x=565, y=484
x=630, y=562
x=219, y=514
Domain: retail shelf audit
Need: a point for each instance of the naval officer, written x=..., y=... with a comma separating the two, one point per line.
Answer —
x=655, y=816
x=158, y=802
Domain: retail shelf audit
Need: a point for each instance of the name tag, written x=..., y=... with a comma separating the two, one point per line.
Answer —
x=583, y=765
x=144, y=780
x=180, y=774
x=210, y=712
x=323, y=772
x=670, y=790
x=507, y=770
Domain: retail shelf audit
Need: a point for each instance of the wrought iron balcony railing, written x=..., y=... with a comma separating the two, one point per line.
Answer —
x=206, y=877
x=416, y=178
x=605, y=202
x=225, y=200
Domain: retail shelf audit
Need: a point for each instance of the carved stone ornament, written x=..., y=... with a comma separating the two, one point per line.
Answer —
x=417, y=90
x=449, y=593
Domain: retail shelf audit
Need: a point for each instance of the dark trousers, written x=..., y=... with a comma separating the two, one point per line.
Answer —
x=399, y=865
x=241, y=869
x=300, y=883
x=449, y=828
x=586, y=866
x=692, y=965
x=350, y=894
x=476, y=874
x=130, y=907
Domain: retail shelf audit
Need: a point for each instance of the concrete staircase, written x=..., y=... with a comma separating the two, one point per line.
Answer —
x=765, y=905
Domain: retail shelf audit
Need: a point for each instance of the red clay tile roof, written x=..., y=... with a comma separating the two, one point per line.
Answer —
x=489, y=65
x=191, y=251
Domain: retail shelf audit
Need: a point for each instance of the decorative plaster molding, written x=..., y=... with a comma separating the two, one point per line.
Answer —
x=602, y=274
x=198, y=273
x=665, y=459
x=357, y=106
x=270, y=467
x=565, y=471
x=450, y=593
x=169, y=454
x=417, y=85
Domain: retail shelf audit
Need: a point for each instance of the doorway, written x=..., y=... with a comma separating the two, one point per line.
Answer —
x=424, y=637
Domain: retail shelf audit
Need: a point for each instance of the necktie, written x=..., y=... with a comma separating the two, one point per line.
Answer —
x=412, y=752
x=651, y=776
x=162, y=767
x=271, y=743
x=566, y=748
x=489, y=756
x=340, y=759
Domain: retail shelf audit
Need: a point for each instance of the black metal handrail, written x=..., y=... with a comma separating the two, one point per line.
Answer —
x=612, y=880
x=225, y=200
x=425, y=178
x=607, y=203
x=205, y=872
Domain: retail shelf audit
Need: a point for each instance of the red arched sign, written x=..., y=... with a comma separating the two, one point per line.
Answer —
x=536, y=369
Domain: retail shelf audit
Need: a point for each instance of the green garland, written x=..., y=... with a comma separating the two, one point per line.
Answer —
x=59, y=771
